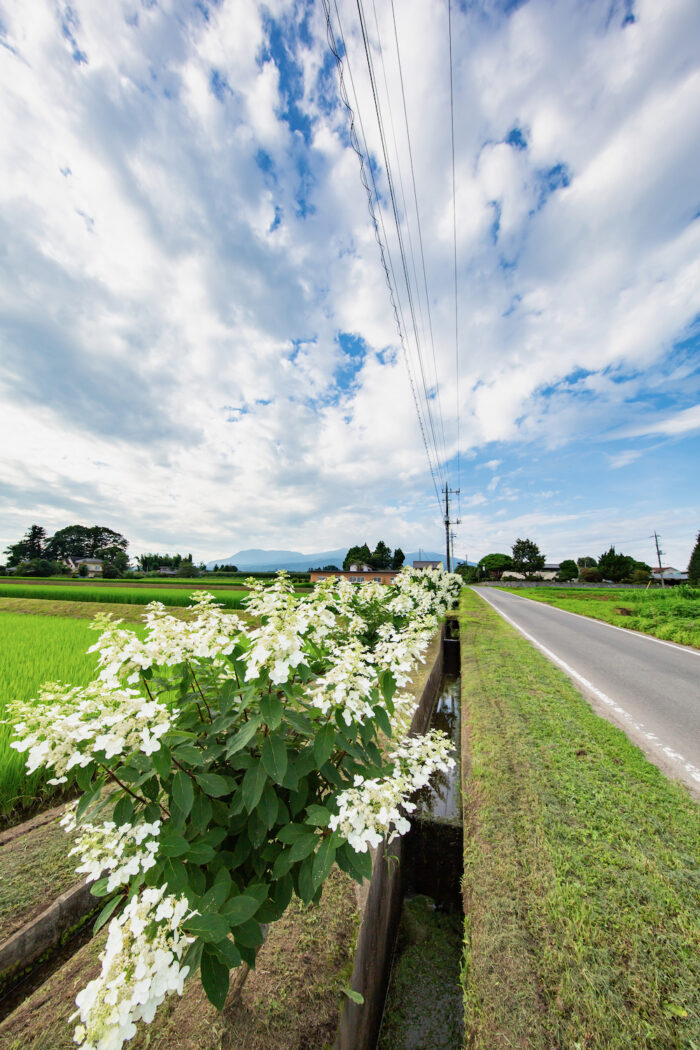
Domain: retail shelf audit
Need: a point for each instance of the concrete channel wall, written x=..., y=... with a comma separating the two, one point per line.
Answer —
x=381, y=898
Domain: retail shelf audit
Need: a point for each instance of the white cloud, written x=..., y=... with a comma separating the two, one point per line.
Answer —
x=185, y=235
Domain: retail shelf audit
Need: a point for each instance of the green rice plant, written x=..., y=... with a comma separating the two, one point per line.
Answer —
x=34, y=650
x=123, y=595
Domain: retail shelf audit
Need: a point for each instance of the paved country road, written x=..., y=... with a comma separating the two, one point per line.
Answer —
x=647, y=687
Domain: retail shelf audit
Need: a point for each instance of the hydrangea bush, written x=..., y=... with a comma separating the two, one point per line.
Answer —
x=225, y=767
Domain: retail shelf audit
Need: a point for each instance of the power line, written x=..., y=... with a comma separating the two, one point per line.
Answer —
x=418, y=223
x=386, y=266
x=454, y=231
x=392, y=196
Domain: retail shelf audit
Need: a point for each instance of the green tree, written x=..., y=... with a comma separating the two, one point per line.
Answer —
x=592, y=575
x=586, y=563
x=694, y=565
x=568, y=570
x=398, y=558
x=494, y=565
x=357, y=556
x=31, y=546
x=381, y=556
x=115, y=557
x=82, y=569
x=527, y=557
x=469, y=573
x=187, y=570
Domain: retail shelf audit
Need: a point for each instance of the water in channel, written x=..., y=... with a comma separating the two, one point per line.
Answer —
x=424, y=1005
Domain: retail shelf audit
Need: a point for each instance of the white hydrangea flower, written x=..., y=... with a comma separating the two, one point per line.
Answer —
x=141, y=964
x=117, y=852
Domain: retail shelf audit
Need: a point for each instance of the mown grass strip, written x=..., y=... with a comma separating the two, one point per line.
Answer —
x=672, y=614
x=582, y=865
x=109, y=595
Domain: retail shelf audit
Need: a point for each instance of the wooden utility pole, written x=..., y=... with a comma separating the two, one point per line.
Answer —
x=658, y=555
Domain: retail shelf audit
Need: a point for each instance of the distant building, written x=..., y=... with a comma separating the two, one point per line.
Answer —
x=357, y=574
x=669, y=574
x=427, y=564
x=165, y=570
x=94, y=565
x=548, y=572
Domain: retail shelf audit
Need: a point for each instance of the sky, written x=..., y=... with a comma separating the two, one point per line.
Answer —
x=197, y=343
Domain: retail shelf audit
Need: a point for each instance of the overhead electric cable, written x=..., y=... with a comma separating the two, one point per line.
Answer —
x=383, y=255
x=397, y=222
x=418, y=223
x=454, y=234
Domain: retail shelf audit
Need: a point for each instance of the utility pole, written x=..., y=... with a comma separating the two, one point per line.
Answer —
x=658, y=555
x=449, y=522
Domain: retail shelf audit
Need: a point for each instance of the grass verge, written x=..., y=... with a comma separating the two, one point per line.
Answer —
x=672, y=614
x=582, y=865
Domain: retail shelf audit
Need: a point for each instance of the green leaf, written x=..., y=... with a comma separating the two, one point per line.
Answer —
x=241, y=851
x=358, y=865
x=243, y=736
x=297, y=799
x=267, y=806
x=382, y=719
x=215, y=979
x=183, y=792
x=189, y=754
x=305, y=880
x=275, y=908
x=209, y=927
x=99, y=888
x=215, y=896
x=227, y=952
x=123, y=811
x=248, y=935
x=387, y=683
x=274, y=758
x=175, y=874
x=356, y=997
x=323, y=862
x=302, y=723
x=201, y=813
x=253, y=784
x=200, y=852
x=162, y=761
x=196, y=879
x=257, y=830
x=323, y=744
x=106, y=912
x=173, y=845
x=214, y=785
x=291, y=832
x=272, y=710
x=303, y=847
x=319, y=816
x=87, y=799
x=239, y=909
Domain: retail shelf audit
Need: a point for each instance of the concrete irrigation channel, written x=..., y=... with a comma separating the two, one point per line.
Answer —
x=395, y=940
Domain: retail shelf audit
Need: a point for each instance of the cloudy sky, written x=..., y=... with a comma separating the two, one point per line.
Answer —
x=197, y=344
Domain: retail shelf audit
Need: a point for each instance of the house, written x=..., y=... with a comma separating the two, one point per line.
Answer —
x=549, y=572
x=165, y=570
x=426, y=564
x=94, y=565
x=669, y=574
x=358, y=574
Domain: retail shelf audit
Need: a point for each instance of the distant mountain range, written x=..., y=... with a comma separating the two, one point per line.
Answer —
x=257, y=560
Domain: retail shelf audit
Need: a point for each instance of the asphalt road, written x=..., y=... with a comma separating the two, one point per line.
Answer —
x=649, y=688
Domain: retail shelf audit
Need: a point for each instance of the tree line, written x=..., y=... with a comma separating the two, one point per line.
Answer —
x=380, y=558
x=527, y=560
x=38, y=554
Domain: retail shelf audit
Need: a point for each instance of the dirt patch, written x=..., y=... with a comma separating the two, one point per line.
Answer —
x=290, y=1002
x=34, y=869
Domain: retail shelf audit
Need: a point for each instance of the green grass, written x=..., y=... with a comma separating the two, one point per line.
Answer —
x=33, y=650
x=230, y=599
x=582, y=863
x=671, y=613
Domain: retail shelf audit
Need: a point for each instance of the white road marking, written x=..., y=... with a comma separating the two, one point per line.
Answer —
x=604, y=623
x=669, y=752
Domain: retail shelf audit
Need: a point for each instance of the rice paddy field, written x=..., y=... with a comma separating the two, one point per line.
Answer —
x=124, y=595
x=671, y=613
x=35, y=649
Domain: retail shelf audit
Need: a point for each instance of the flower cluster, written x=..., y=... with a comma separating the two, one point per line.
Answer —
x=347, y=686
x=119, y=852
x=141, y=964
x=169, y=641
x=372, y=808
x=68, y=727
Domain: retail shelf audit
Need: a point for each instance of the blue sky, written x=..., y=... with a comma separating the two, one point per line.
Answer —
x=197, y=346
